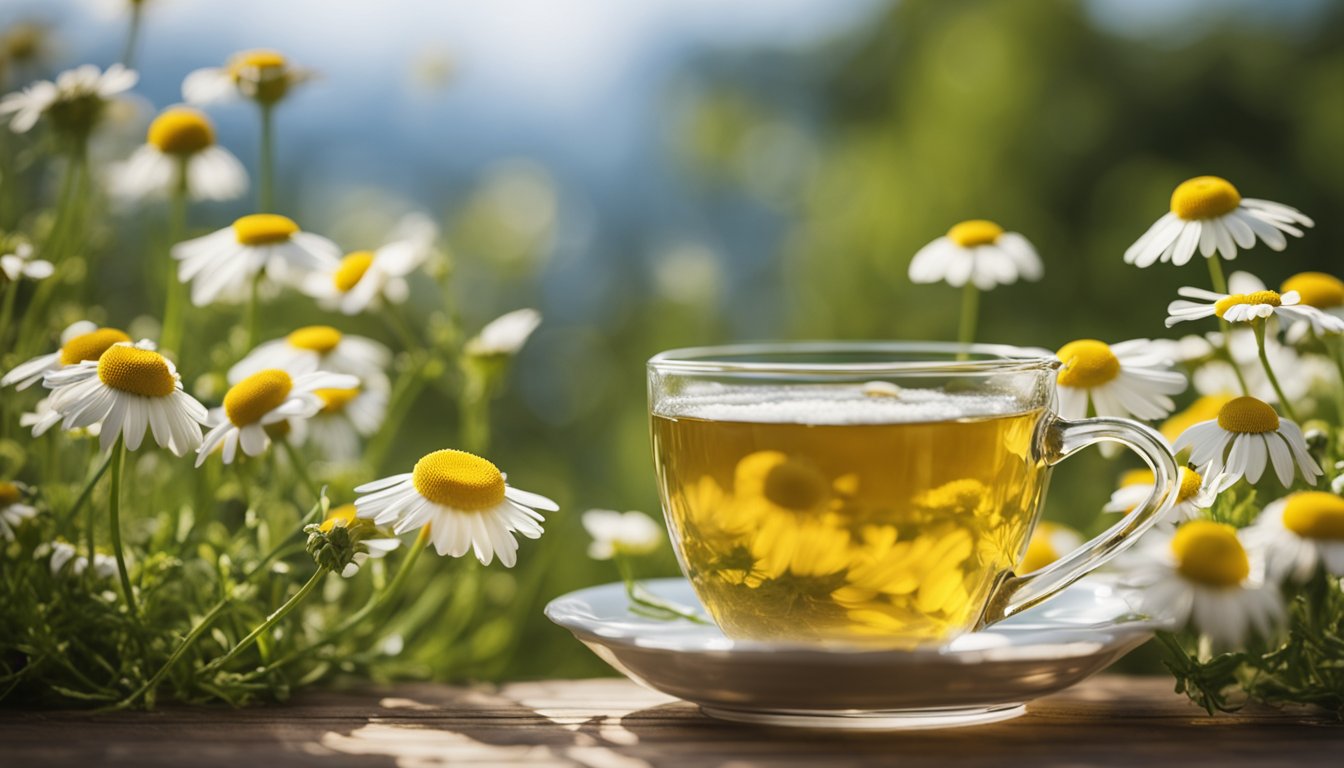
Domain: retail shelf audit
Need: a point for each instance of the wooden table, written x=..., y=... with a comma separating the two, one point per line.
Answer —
x=610, y=723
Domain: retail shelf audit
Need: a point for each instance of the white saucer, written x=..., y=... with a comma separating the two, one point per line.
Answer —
x=977, y=678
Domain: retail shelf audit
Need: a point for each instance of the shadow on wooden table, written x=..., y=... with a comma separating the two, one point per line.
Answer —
x=610, y=723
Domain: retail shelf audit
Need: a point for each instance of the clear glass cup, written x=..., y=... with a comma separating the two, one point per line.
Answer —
x=872, y=493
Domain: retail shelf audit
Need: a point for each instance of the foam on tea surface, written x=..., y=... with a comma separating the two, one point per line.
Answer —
x=832, y=513
x=835, y=405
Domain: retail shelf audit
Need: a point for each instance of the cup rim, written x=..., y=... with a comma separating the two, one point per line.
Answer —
x=981, y=358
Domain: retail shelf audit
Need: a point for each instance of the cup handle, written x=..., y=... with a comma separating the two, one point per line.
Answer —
x=1062, y=439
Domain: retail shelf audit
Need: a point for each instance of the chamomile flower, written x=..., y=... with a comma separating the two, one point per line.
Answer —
x=465, y=501
x=260, y=400
x=1247, y=435
x=21, y=264
x=1314, y=289
x=1249, y=307
x=620, y=533
x=1210, y=216
x=79, y=342
x=1202, y=575
x=363, y=278
x=978, y=252
x=180, y=140
x=346, y=416
x=1126, y=379
x=221, y=266
x=374, y=547
x=504, y=335
x=261, y=75
x=1300, y=532
x=318, y=347
x=12, y=509
x=1203, y=408
x=1049, y=542
x=131, y=389
x=63, y=554
x=1193, y=494
x=42, y=418
x=73, y=102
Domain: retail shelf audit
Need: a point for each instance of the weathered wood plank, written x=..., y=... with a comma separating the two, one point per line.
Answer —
x=611, y=723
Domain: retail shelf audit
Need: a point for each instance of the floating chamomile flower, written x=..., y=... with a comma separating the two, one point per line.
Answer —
x=1250, y=307
x=1300, y=532
x=1049, y=542
x=504, y=335
x=12, y=509
x=130, y=389
x=73, y=103
x=1202, y=575
x=180, y=140
x=63, y=554
x=261, y=400
x=620, y=533
x=463, y=499
x=977, y=252
x=374, y=547
x=80, y=341
x=363, y=278
x=1209, y=215
x=318, y=347
x=261, y=75
x=1246, y=435
x=21, y=264
x=222, y=265
x=1125, y=379
x=1193, y=494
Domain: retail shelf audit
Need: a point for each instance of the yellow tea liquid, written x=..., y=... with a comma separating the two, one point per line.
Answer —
x=892, y=532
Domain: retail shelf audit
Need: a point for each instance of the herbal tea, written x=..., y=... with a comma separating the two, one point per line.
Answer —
x=839, y=513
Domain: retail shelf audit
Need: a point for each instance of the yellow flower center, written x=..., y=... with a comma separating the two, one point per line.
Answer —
x=1137, y=477
x=91, y=345
x=264, y=229
x=1041, y=549
x=1317, y=289
x=1204, y=197
x=351, y=270
x=969, y=234
x=1246, y=415
x=342, y=515
x=9, y=493
x=181, y=131
x=1202, y=409
x=1315, y=515
x=252, y=398
x=335, y=400
x=795, y=485
x=1258, y=297
x=459, y=480
x=256, y=59
x=1087, y=363
x=315, y=338
x=1191, y=482
x=138, y=371
x=1209, y=553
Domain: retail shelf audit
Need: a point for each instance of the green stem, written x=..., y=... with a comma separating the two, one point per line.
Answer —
x=171, y=337
x=1219, y=284
x=54, y=248
x=401, y=327
x=653, y=605
x=970, y=308
x=85, y=494
x=473, y=406
x=176, y=656
x=1258, y=326
x=133, y=34
x=301, y=469
x=114, y=517
x=1337, y=354
x=266, y=185
x=374, y=603
x=7, y=312
x=404, y=393
x=270, y=621
x=253, y=311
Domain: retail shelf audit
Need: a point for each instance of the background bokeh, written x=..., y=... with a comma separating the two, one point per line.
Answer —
x=679, y=172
